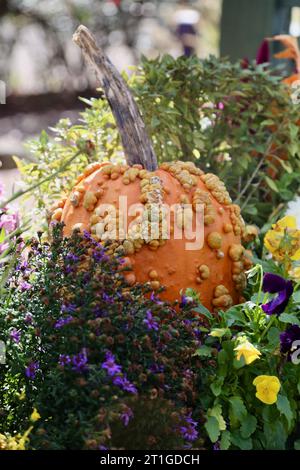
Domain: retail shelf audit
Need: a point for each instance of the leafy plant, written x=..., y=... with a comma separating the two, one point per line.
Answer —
x=239, y=123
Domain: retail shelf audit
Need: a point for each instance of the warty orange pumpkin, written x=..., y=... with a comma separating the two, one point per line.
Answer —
x=215, y=271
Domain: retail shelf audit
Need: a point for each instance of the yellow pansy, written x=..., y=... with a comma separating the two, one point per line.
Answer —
x=283, y=240
x=267, y=388
x=35, y=415
x=247, y=350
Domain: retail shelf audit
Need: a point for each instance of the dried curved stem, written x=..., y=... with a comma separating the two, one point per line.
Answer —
x=136, y=143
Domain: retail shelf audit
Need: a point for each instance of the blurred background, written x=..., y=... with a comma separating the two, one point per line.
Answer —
x=44, y=72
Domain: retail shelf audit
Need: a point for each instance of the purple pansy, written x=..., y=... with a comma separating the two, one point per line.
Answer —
x=110, y=365
x=150, y=322
x=275, y=284
x=288, y=337
x=32, y=369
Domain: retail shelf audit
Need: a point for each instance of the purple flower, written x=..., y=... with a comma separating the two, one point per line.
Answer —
x=156, y=300
x=107, y=298
x=110, y=365
x=64, y=359
x=216, y=446
x=79, y=361
x=15, y=335
x=124, y=384
x=156, y=369
x=126, y=416
x=189, y=431
x=32, y=369
x=68, y=308
x=288, y=337
x=9, y=222
x=28, y=318
x=63, y=321
x=71, y=258
x=150, y=322
x=275, y=284
x=24, y=285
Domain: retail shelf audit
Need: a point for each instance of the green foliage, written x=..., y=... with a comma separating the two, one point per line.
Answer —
x=238, y=123
x=237, y=418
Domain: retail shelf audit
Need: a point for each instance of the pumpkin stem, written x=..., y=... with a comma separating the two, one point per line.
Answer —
x=136, y=142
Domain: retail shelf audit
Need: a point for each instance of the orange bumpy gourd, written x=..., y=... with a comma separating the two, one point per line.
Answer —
x=215, y=270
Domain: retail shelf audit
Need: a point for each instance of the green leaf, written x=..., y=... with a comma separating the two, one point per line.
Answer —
x=239, y=441
x=297, y=445
x=273, y=336
x=216, y=386
x=248, y=426
x=284, y=407
x=238, y=408
x=216, y=411
x=204, y=351
x=225, y=440
x=204, y=311
x=219, y=332
x=289, y=318
x=296, y=297
x=212, y=428
x=2, y=235
x=271, y=184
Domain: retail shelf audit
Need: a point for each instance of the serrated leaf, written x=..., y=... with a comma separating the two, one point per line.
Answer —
x=248, y=426
x=238, y=408
x=216, y=411
x=203, y=351
x=289, y=318
x=216, y=386
x=284, y=407
x=212, y=428
x=239, y=441
x=225, y=440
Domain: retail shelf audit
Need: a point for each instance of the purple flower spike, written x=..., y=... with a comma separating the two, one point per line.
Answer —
x=288, y=337
x=275, y=284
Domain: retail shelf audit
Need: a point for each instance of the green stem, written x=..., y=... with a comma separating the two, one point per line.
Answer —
x=267, y=328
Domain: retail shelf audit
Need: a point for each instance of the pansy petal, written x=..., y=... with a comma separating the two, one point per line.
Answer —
x=289, y=221
x=296, y=256
x=279, y=303
x=273, y=283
